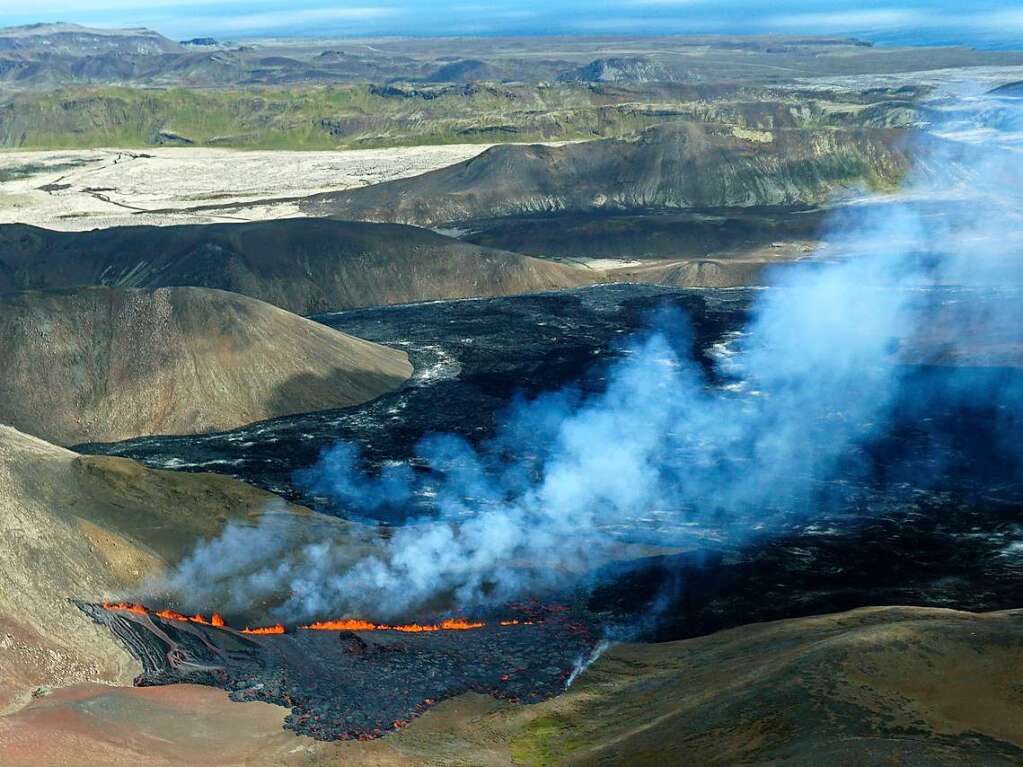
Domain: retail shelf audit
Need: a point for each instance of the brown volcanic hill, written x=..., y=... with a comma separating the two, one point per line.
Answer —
x=91, y=527
x=894, y=685
x=670, y=167
x=302, y=265
x=101, y=364
x=47, y=557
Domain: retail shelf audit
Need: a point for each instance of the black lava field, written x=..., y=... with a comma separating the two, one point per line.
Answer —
x=343, y=685
x=938, y=521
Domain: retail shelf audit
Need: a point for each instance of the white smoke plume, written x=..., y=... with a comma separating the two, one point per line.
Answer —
x=583, y=662
x=814, y=378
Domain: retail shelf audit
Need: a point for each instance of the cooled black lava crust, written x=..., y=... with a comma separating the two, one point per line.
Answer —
x=471, y=357
x=931, y=514
x=342, y=685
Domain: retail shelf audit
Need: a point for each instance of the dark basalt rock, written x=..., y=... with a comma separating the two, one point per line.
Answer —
x=345, y=685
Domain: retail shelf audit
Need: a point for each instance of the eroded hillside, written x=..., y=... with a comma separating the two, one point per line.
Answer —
x=102, y=364
x=304, y=266
x=672, y=167
x=92, y=527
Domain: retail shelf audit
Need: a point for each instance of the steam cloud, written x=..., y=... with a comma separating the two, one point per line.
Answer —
x=814, y=378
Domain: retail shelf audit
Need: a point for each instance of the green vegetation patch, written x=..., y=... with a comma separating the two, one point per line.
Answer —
x=297, y=118
x=546, y=740
x=366, y=116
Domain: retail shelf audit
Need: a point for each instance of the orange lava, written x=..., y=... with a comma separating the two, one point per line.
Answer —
x=344, y=624
x=129, y=607
x=275, y=629
x=171, y=615
x=216, y=619
x=460, y=624
x=352, y=624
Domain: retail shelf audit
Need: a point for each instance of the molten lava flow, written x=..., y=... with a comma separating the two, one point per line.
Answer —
x=352, y=624
x=216, y=619
x=345, y=624
x=170, y=615
x=451, y=624
x=460, y=624
x=275, y=629
x=342, y=625
x=129, y=607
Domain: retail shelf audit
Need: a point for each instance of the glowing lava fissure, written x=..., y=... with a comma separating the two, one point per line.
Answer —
x=356, y=679
x=216, y=620
x=451, y=624
x=277, y=628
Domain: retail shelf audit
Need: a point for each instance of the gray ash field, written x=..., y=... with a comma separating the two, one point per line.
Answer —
x=930, y=514
x=342, y=685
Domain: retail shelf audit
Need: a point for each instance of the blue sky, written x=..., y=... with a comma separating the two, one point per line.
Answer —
x=987, y=23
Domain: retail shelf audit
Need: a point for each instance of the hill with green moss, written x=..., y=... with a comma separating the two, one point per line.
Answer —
x=671, y=167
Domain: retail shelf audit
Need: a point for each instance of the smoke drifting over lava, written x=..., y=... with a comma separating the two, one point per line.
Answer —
x=813, y=380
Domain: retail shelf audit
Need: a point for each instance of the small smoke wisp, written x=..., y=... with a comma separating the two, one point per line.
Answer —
x=584, y=662
x=816, y=376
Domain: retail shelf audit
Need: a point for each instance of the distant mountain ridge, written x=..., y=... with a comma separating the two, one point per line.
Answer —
x=41, y=56
x=75, y=40
x=621, y=70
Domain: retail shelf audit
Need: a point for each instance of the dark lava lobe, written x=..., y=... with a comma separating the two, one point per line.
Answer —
x=342, y=685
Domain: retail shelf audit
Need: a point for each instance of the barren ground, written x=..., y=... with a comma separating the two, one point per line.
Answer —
x=86, y=189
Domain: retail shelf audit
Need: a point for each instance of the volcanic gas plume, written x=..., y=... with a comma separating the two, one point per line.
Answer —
x=813, y=379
